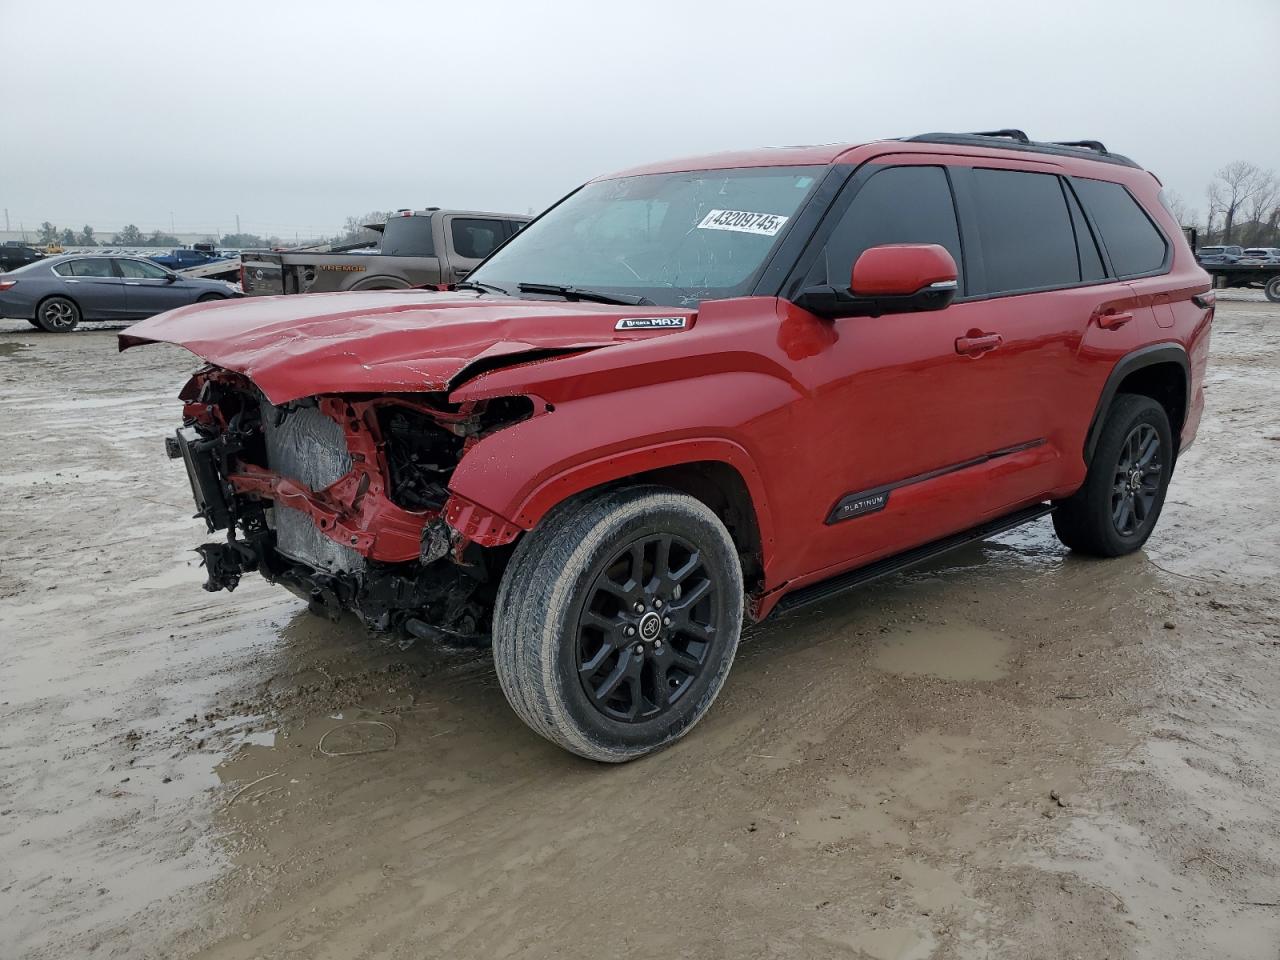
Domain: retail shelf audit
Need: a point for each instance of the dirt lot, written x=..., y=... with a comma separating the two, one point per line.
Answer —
x=1016, y=753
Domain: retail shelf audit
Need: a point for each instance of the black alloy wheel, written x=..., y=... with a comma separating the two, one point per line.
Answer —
x=1137, y=479
x=1116, y=509
x=646, y=626
x=617, y=620
x=58, y=315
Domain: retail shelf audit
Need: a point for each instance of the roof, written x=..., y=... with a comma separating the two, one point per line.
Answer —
x=823, y=154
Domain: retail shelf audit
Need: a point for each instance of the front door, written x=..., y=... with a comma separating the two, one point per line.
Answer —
x=150, y=289
x=933, y=421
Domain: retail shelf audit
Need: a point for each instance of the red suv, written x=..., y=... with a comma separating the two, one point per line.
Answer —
x=698, y=392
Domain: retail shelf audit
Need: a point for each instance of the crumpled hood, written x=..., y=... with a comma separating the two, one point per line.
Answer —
x=384, y=341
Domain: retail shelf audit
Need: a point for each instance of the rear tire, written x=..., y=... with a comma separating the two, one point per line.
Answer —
x=1117, y=508
x=57, y=315
x=617, y=621
x=1272, y=290
x=209, y=297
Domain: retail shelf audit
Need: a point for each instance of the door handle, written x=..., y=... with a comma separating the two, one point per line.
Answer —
x=133, y=283
x=1113, y=319
x=975, y=343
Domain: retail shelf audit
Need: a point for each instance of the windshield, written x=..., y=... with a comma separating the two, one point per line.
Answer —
x=672, y=238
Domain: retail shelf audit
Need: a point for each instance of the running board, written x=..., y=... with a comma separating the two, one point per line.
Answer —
x=825, y=589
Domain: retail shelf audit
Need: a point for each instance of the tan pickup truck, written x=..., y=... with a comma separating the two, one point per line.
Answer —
x=418, y=247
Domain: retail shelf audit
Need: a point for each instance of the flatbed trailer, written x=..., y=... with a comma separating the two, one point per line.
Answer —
x=1263, y=276
x=228, y=269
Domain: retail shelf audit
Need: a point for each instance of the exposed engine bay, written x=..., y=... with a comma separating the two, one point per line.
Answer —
x=344, y=500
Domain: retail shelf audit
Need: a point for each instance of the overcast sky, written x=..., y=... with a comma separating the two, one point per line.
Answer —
x=295, y=115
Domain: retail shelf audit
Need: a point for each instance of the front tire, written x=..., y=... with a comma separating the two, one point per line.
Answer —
x=1117, y=508
x=209, y=297
x=57, y=315
x=1272, y=290
x=617, y=621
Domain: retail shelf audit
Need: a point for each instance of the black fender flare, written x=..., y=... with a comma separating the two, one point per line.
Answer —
x=1142, y=357
x=381, y=282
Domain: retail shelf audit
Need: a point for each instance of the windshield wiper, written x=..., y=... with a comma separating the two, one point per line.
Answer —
x=477, y=285
x=578, y=293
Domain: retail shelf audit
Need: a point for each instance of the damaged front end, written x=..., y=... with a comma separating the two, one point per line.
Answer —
x=345, y=501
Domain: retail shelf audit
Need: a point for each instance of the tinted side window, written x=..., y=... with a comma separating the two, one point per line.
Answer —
x=897, y=205
x=1091, y=267
x=93, y=267
x=1132, y=240
x=141, y=270
x=476, y=238
x=1025, y=227
x=408, y=237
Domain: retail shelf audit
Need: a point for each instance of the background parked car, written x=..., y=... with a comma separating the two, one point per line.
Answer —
x=1257, y=256
x=55, y=294
x=1229, y=254
x=14, y=255
x=182, y=258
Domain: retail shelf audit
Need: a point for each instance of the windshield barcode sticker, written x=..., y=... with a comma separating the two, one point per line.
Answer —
x=744, y=221
x=650, y=323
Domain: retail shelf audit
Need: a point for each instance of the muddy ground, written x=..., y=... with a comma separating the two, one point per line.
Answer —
x=1015, y=753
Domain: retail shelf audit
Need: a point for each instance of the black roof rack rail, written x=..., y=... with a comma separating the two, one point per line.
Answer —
x=1013, y=139
x=1095, y=145
x=1011, y=133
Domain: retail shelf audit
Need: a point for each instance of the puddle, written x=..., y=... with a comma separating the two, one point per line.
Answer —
x=14, y=351
x=960, y=652
x=894, y=943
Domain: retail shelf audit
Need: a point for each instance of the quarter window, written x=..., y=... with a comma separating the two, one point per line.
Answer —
x=897, y=205
x=1133, y=242
x=1025, y=227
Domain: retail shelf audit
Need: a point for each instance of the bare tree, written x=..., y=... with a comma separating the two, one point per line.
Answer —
x=1178, y=207
x=353, y=229
x=1238, y=182
x=1213, y=199
x=1261, y=204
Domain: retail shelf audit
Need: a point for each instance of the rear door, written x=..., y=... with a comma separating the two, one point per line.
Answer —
x=91, y=283
x=150, y=289
x=470, y=240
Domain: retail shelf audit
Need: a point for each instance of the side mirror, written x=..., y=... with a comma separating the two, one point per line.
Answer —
x=894, y=278
x=171, y=278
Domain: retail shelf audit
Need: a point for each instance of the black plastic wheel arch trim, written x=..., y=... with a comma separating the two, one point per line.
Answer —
x=864, y=502
x=1147, y=356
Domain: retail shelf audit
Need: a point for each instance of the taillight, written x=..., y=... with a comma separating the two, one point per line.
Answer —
x=243, y=287
x=6, y=284
x=1206, y=300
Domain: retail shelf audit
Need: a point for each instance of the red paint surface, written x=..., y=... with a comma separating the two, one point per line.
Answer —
x=901, y=269
x=805, y=410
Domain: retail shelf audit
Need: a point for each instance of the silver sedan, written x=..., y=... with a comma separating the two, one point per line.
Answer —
x=57, y=293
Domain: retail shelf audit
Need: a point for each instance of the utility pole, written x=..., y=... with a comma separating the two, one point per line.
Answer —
x=237, y=224
x=6, y=219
